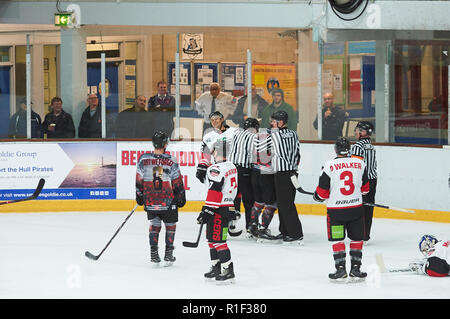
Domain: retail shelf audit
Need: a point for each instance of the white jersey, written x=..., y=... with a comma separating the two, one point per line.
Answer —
x=212, y=137
x=222, y=178
x=342, y=182
x=441, y=250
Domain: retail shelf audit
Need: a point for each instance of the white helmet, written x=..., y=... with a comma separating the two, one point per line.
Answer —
x=427, y=242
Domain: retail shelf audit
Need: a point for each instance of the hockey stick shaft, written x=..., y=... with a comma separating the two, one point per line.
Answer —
x=194, y=244
x=298, y=187
x=391, y=207
x=93, y=257
x=380, y=262
x=36, y=193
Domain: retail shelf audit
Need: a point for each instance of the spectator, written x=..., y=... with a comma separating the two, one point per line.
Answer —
x=162, y=106
x=212, y=101
x=278, y=104
x=258, y=104
x=333, y=118
x=58, y=123
x=161, y=99
x=91, y=120
x=18, y=123
x=134, y=122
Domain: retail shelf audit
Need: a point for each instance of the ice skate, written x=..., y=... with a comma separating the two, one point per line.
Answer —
x=226, y=276
x=213, y=272
x=340, y=275
x=287, y=240
x=169, y=259
x=356, y=274
x=264, y=236
x=252, y=231
x=154, y=257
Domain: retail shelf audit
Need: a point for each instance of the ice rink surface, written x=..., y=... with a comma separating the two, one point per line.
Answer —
x=42, y=256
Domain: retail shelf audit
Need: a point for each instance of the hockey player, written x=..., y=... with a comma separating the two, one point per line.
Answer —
x=437, y=257
x=263, y=187
x=160, y=189
x=219, y=132
x=364, y=150
x=223, y=181
x=342, y=183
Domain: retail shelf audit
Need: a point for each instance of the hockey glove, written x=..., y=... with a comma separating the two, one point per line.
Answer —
x=139, y=198
x=417, y=265
x=201, y=172
x=205, y=215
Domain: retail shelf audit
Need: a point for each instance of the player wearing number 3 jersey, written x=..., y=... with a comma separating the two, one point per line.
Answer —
x=342, y=183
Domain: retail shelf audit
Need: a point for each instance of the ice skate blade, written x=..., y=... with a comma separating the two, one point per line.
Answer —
x=270, y=241
x=168, y=263
x=210, y=280
x=155, y=264
x=352, y=280
x=294, y=243
x=226, y=282
x=339, y=281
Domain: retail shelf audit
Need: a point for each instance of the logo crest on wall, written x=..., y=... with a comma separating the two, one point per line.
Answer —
x=192, y=46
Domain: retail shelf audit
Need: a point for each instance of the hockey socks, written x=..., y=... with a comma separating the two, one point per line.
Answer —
x=256, y=211
x=267, y=215
x=170, y=233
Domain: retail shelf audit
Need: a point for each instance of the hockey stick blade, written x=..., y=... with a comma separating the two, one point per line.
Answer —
x=194, y=244
x=90, y=256
x=36, y=193
x=297, y=186
x=391, y=207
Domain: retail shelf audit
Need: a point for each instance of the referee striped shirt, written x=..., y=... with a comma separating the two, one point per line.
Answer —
x=242, y=149
x=366, y=151
x=286, y=146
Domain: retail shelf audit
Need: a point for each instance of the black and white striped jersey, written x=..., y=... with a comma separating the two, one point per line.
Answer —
x=262, y=151
x=242, y=149
x=286, y=146
x=366, y=151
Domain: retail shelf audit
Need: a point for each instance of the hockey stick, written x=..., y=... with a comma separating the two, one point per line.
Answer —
x=34, y=196
x=298, y=187
x=380, y=262
x=94, y=257
x=391, y=207
x=194, y=244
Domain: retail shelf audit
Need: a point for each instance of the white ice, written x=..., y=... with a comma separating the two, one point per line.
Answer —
x=42, y=256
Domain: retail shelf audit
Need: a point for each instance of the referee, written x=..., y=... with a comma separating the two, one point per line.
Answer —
x=286, y=146
x=241, y=156
x=364, y=150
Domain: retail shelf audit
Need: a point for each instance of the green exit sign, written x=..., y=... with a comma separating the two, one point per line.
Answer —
x=63, y=19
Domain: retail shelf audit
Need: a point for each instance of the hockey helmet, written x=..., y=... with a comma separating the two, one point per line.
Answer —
x=426, y=242
x=251, y=122
x=342, y=146
x=367, y=126
x=280, y=116
x=160, y=139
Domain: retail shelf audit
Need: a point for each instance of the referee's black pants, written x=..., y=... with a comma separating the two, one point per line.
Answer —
x=246, y=190
x=290, y=224
x=368, y=210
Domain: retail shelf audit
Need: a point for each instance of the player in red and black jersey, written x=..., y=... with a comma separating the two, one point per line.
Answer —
x=160, y=189
x=342, y=183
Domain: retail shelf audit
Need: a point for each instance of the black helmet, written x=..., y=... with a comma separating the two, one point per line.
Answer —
x=216, y=113
x=367, y=126
x=342, y=146
x=280, y=116
x=251, y=122
x=160, y=139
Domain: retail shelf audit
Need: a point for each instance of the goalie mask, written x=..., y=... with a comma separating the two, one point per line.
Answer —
x=426, y=243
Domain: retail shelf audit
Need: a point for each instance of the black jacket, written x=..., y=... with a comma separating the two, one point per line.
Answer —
x=64, y=125
x=18, y=125
x=90, y=126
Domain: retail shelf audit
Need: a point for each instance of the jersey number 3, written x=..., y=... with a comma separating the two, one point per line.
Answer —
x=349, y=188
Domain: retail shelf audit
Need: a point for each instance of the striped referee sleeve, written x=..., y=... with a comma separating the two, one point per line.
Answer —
x=366, y=151
x=242, y=149
x=286, y=145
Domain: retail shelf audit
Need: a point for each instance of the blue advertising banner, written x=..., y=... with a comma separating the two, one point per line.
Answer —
x=71, y=170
